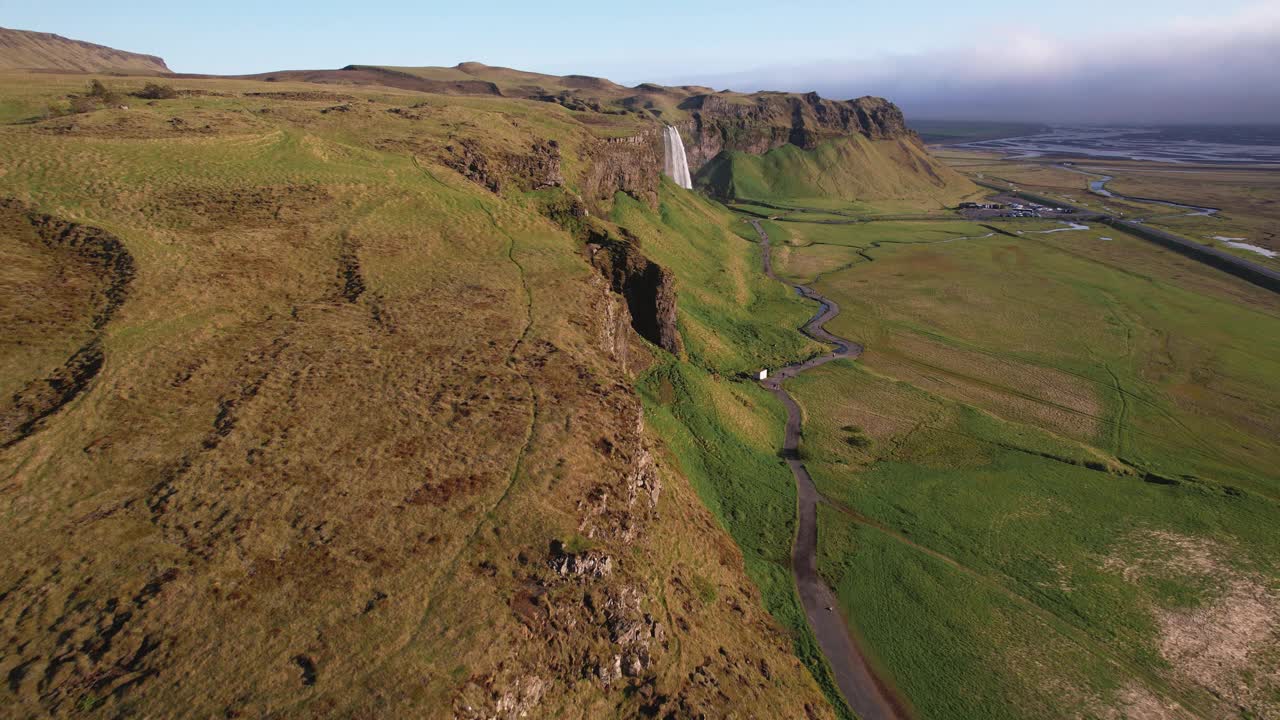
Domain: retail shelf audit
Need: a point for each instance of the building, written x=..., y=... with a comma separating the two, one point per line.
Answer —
x=763, y=374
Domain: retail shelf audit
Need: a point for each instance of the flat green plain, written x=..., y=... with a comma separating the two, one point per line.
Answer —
x=721, y=430
x=1052, y=475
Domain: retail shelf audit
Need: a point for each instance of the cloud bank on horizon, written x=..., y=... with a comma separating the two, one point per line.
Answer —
x=1204, y=69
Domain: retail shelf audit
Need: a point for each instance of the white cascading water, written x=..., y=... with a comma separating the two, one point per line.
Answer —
x=675, y=164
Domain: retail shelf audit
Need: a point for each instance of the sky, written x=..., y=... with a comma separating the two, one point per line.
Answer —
x=1088, y=60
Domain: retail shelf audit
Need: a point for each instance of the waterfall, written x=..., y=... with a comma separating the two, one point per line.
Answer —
x=675, y=164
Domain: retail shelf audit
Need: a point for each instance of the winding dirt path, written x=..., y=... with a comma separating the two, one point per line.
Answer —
x=869, y=696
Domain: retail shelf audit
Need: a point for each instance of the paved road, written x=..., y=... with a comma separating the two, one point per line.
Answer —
x=1259, y=275
x=867, y=695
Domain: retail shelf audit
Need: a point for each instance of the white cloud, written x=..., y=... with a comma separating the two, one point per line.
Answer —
x=1208, y=69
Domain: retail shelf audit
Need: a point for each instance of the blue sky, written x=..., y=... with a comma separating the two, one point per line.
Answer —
x=629, y=42
x=1087, y=60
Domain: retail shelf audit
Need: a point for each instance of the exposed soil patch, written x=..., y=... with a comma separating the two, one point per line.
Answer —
x=1137, y=703
x=308, y=667
x=1229, y=645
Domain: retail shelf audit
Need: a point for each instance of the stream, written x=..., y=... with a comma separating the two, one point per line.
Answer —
x=1099, y=187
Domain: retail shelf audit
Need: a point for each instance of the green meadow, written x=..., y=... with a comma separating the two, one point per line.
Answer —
x=722, y=431
x=1052, y=475
x=849, y=174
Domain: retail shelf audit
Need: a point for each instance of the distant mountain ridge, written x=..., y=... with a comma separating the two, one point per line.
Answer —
x=711, y=121
x=27, y=50
x=866, y=142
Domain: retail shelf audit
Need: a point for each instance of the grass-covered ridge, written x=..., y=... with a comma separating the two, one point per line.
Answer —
x=352, y=411
x=853, y=171
x=732, y=318
x=723, y=431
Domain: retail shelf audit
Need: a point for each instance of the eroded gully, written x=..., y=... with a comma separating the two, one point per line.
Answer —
x=869, y=696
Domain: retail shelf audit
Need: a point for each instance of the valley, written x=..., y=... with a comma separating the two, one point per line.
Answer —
x=951, y=434
x=865, y=453
x=1213, y=204
x=435, y=392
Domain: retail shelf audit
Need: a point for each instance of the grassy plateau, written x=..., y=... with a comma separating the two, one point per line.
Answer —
x=301, y=420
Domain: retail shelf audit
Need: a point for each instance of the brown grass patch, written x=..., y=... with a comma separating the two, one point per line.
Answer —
x=1228, y=643
x=347, y=402
x=1135, y=702
x=218, y=208
x=1017, y=391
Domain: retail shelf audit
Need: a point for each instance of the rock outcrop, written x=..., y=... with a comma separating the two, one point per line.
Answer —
x=632, y=165
x=773, y=120
x=647, y=287
x=539, y=168
x=615, y=335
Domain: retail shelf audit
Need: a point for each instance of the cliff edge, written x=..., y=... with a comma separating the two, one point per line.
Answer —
x=26, y=50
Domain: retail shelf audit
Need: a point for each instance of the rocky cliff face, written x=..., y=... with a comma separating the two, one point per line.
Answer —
x=647, y=287
x=766, y=121
x=630, y=164
x=533, y=170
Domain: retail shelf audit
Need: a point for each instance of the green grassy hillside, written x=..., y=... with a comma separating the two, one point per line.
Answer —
x=722, y=430
x=23, y=49
x=301, y=418
x=855, y=172
x=732, y=318
x=321, y=396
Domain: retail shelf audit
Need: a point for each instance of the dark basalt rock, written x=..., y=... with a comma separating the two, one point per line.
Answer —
x=774, y=120
x=647, y=287
x=632, y=165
